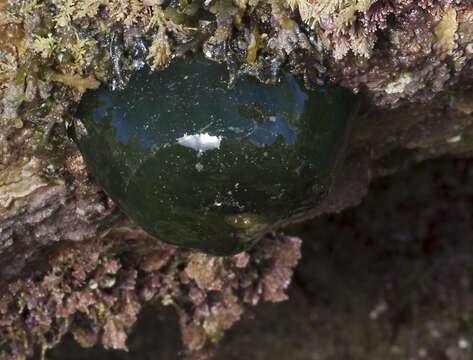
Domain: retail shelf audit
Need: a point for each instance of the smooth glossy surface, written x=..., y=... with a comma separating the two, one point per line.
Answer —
x=198, y=165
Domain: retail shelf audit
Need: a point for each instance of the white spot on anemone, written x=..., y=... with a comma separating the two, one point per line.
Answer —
x=200, y=142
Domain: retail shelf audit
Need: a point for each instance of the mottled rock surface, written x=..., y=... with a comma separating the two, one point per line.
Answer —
x=70, y=260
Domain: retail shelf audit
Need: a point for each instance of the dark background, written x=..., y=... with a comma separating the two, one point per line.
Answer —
x=389, y=279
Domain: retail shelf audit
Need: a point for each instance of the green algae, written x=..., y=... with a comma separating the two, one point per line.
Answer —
x=199, y=165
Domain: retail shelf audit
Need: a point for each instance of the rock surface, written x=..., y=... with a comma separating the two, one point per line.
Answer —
x=72, y=263
x=387, y=279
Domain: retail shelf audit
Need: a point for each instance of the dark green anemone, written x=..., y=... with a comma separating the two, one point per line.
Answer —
x=199, y=165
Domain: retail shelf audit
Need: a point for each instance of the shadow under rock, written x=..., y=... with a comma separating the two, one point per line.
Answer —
x=154, y=336
x=389, y=279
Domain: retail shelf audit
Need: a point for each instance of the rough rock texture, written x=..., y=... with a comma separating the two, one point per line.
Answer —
x=95, y=289
x=71, y=262
x=388, y=279
x=404, y=258
x=408, y=62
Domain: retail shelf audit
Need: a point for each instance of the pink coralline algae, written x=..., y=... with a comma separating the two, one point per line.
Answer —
x=95, y=291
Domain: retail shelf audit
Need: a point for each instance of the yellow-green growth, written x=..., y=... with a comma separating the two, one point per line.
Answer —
x=332, y=17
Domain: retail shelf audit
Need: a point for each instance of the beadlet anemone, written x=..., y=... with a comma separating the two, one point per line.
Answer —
x=202, y=166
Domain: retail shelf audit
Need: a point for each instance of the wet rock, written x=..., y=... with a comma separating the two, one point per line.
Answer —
x=397, y=53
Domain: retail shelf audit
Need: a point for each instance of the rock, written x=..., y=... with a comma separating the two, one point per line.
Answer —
x=60, y=233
